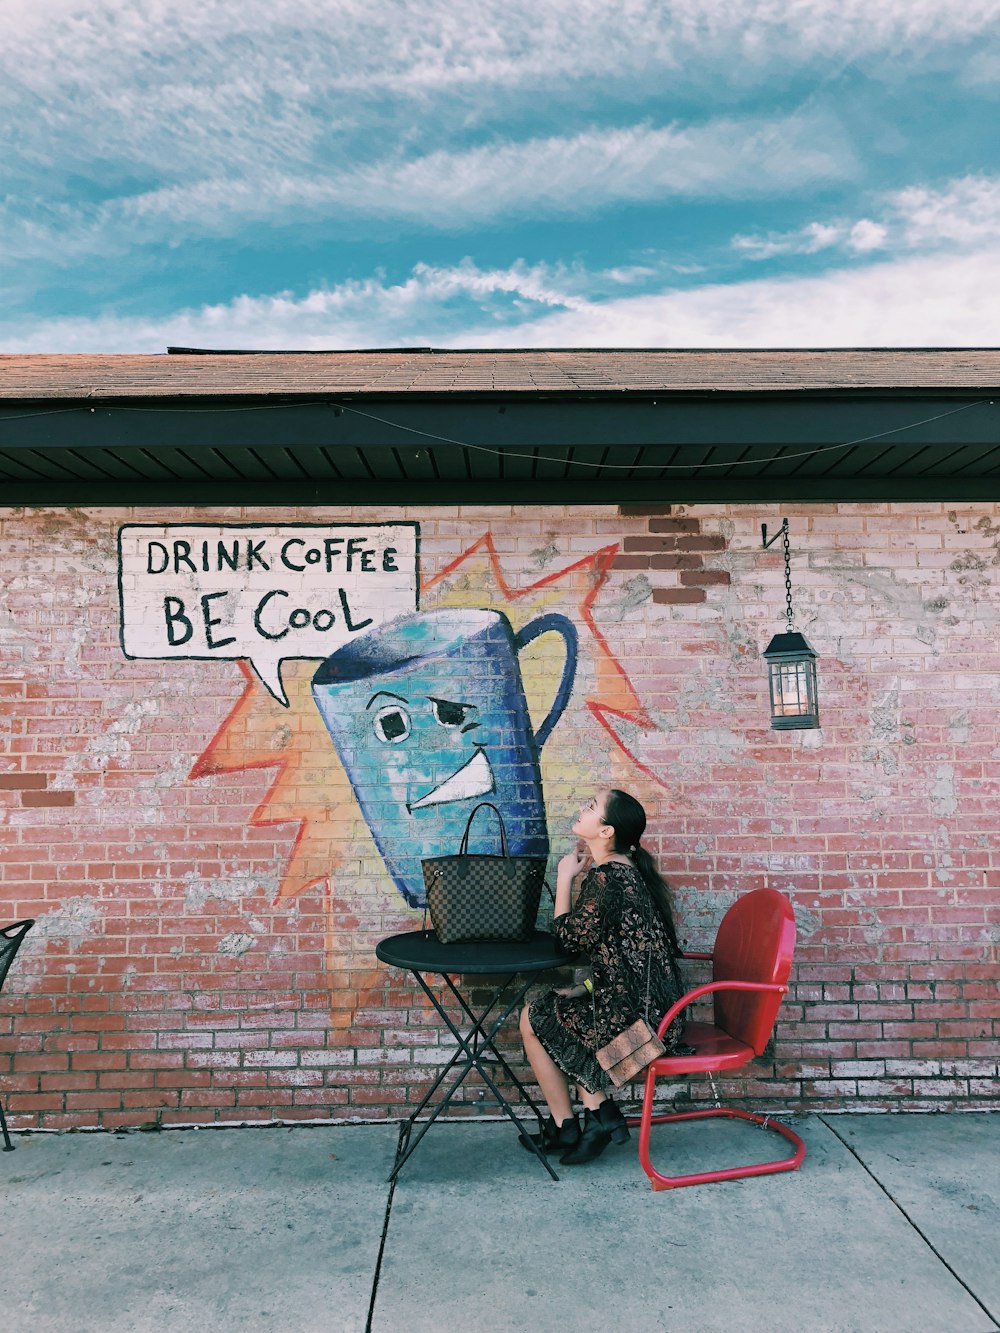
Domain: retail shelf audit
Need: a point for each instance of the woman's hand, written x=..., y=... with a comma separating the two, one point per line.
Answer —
x=575, y=863
x=571, y=865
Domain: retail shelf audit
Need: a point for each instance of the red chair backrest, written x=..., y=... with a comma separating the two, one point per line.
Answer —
x=755, y=942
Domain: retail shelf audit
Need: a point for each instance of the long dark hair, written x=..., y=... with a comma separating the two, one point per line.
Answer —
x=628, y=819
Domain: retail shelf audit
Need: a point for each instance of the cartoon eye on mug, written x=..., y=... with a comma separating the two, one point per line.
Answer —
x=391, y=723
x=450, y=714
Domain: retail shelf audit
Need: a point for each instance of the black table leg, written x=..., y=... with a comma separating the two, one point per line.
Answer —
x=8, y=1146
x=473, y=1047
x=489, y=1045
x=488, y=1042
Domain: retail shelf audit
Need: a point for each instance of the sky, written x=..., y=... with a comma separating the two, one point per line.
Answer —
x=498, y=173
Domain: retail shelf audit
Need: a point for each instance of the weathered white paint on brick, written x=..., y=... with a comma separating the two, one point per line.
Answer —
x=236, y=944
x=77, y=920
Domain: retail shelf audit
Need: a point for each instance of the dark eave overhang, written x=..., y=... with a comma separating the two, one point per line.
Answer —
x=502, y=444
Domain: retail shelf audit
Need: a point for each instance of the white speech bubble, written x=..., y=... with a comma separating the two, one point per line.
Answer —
x=261, y=592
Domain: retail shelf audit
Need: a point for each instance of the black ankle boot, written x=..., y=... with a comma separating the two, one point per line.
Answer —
x=553, y=1138
x=613, y=1121
x=593, y=1141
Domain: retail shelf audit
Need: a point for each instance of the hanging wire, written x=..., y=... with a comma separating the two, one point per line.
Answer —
x=663, y=467
x=508, y=453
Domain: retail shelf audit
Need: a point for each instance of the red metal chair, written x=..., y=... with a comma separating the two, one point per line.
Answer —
x=11, y=938
x=751, y=963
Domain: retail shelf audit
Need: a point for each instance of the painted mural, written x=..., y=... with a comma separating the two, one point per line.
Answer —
x=374, y=694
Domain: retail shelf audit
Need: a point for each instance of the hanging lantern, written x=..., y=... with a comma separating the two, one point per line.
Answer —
x=791, y=662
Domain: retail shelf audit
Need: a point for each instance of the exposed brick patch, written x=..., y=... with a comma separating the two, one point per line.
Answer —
x=675, y=525
x=694, y=578
x=48, y=798
x=672, y=545
x=650, y=544
x=702, y=542
x=678, y=596
x=672, y=561
x=33, y=788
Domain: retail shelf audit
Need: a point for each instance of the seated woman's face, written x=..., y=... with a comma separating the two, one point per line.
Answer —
x=590, y=820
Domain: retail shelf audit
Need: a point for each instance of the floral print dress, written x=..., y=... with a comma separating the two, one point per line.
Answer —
x=617, y=925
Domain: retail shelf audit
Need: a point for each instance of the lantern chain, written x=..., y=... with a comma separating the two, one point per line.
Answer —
x=789, y=613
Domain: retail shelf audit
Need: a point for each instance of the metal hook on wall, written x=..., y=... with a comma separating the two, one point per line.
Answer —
x=781, y=531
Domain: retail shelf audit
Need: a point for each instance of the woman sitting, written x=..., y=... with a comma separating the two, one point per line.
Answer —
x=623, y=923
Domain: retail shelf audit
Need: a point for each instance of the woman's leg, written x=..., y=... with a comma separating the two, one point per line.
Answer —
x=551, y=1079
x=591, y=1100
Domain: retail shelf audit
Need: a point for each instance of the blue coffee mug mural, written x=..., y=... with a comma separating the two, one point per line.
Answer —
x=428, y=716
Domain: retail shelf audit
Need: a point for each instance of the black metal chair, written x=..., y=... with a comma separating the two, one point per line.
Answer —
x=11, y=938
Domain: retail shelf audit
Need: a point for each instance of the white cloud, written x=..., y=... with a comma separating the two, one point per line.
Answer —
x=965, y=212
x=916, y=301
x=153, y=121
x=202, y=49
x=626, y=275
x=982, y=71
x=867, y=235
x=185, y=90
x=860, y=237
x=448, y=188
x=958, y=215
x=421, y=309
x=919, y=301
x=808, y=240
x=452, y=190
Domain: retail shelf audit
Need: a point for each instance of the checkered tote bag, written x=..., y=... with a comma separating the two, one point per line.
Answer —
x=479, y=897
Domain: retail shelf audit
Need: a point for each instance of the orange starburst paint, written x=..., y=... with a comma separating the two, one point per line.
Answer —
x=310, y=788
x=577, y=585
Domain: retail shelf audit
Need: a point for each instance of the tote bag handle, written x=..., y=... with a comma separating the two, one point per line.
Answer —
x=484, y=805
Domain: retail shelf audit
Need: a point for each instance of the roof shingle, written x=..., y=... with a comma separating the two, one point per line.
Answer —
x=574, y=372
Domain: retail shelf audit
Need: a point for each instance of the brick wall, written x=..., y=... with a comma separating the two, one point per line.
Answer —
x=208, y=895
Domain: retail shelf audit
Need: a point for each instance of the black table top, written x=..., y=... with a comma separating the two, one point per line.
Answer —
x=421, y=950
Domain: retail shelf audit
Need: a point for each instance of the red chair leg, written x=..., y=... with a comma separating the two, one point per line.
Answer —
x=662, y=1182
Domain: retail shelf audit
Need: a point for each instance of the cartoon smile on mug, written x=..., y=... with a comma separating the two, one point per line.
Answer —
x=437, y=729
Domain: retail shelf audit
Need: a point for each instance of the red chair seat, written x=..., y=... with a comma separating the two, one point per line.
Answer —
x=714, y=1049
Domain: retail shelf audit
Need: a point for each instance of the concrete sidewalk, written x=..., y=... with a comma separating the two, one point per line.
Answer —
x=891, y=1226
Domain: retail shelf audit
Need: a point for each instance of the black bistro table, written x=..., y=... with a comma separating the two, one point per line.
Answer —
x=515, y=966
